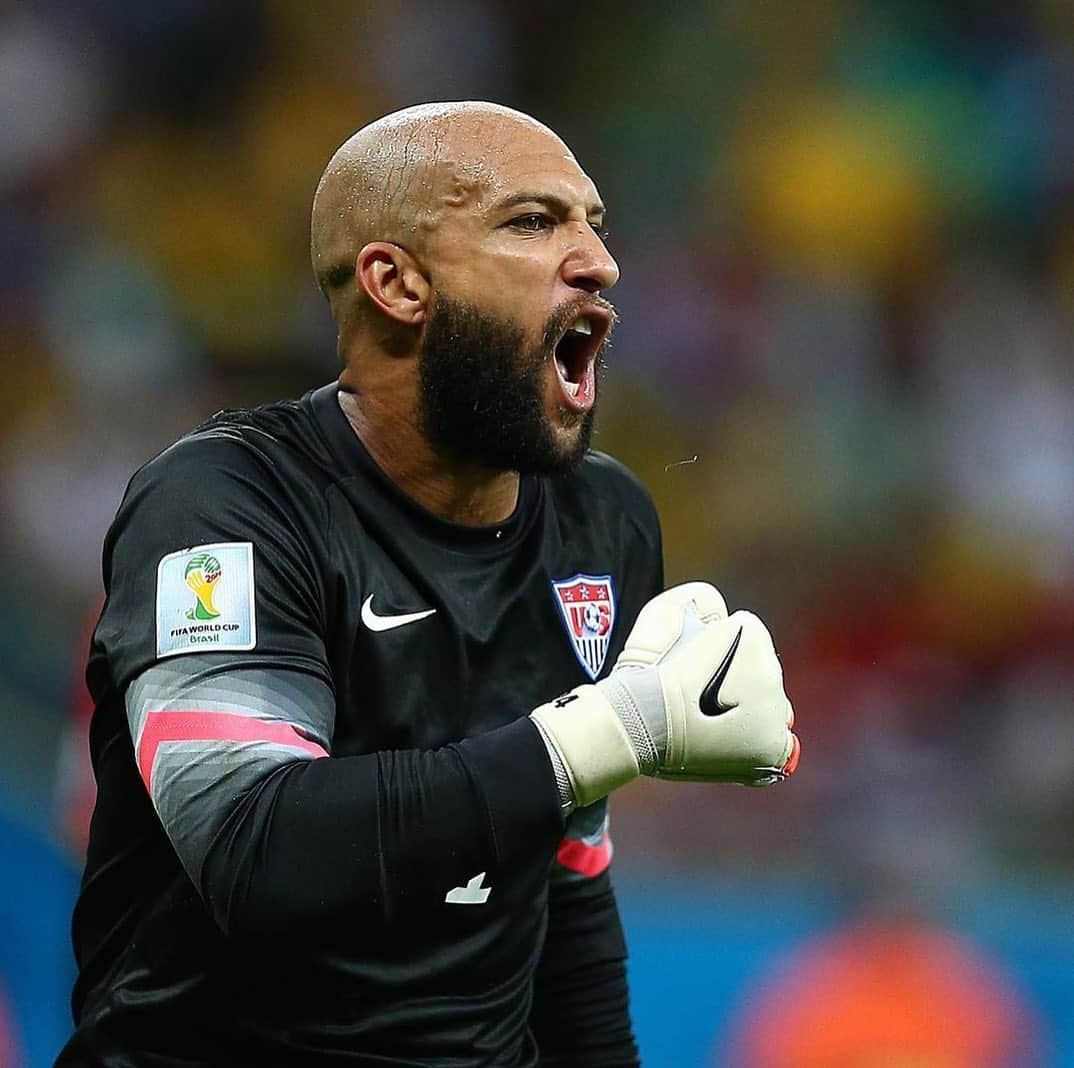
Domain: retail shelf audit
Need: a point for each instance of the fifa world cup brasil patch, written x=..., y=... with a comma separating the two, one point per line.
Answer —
x=587, y=603
x=205, y=599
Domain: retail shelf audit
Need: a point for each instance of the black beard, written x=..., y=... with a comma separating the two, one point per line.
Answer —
x=482, y=393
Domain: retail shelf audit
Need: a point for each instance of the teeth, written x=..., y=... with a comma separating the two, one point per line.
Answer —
x=581, y=325
x=571, y=387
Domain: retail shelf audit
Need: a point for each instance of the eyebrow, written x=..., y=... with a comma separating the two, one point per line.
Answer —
x=556, y=204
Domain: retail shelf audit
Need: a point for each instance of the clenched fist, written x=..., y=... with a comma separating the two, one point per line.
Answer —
x=696, y=694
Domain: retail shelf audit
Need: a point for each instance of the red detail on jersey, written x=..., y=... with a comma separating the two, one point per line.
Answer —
x=588, y=860
x=189, y=725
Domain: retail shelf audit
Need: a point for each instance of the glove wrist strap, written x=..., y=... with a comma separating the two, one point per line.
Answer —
x=591, y=741
x=563, y=779
x=631, y=691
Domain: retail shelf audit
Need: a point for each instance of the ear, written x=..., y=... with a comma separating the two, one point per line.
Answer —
x=393, y=281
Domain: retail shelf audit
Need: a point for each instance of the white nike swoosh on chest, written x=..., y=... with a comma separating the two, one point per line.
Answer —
x=375, y=622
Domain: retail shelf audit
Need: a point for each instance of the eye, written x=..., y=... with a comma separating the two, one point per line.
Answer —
x=533, y=223
x=601, y=231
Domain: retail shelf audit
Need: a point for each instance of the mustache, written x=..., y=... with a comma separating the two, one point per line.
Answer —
x=567, y=312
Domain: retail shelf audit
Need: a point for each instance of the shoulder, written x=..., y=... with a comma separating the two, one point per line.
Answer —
x=604, y=478
x=600, y=467
x=603, y=490
x=242, y=449
x=239, y=470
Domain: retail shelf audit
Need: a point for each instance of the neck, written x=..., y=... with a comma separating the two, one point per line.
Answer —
x=386, y=422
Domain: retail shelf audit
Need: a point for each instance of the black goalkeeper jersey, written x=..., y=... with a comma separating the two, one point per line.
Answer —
x=405, y=890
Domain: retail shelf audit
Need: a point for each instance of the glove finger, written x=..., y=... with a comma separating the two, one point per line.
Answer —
x=743, y=650
x=708, y=600
x=667, y=618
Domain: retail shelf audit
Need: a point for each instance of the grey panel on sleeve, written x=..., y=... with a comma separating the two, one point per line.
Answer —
x=207, y=731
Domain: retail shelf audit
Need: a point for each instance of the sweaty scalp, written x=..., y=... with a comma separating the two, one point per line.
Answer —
x=394, y=179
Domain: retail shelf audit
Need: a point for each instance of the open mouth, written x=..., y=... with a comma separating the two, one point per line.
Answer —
x=575, y=357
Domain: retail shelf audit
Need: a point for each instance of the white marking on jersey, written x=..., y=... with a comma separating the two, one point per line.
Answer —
x=473, y=893
x=205, y=599
x=379, y=623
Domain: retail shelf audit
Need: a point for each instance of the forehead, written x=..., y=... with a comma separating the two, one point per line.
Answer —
x=494, y=165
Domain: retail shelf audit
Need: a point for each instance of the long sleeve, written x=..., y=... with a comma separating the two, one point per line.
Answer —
x=386, y=833
x=280, y=836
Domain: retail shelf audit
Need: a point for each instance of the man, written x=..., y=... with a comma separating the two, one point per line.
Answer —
x=352, y=762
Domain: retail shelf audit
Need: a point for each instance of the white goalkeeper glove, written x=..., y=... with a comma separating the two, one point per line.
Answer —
x=696, y=694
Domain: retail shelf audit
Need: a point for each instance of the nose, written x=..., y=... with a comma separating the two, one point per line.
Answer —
x=589, y=265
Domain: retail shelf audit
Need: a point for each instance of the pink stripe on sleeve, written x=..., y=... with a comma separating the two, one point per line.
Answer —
x=189, y=725
x=588, y=860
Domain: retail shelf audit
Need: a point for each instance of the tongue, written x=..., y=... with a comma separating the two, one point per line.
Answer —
x=585, y=386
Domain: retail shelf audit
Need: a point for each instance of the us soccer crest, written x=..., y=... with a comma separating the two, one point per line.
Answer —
x=588, y=606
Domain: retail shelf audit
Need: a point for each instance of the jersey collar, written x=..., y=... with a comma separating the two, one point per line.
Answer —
x=355, y=461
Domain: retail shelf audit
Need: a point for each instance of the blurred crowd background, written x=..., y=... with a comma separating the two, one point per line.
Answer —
x=845, y=370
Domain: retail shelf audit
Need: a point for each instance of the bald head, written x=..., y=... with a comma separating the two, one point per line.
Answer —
x=458, y=245
x=396, y=178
